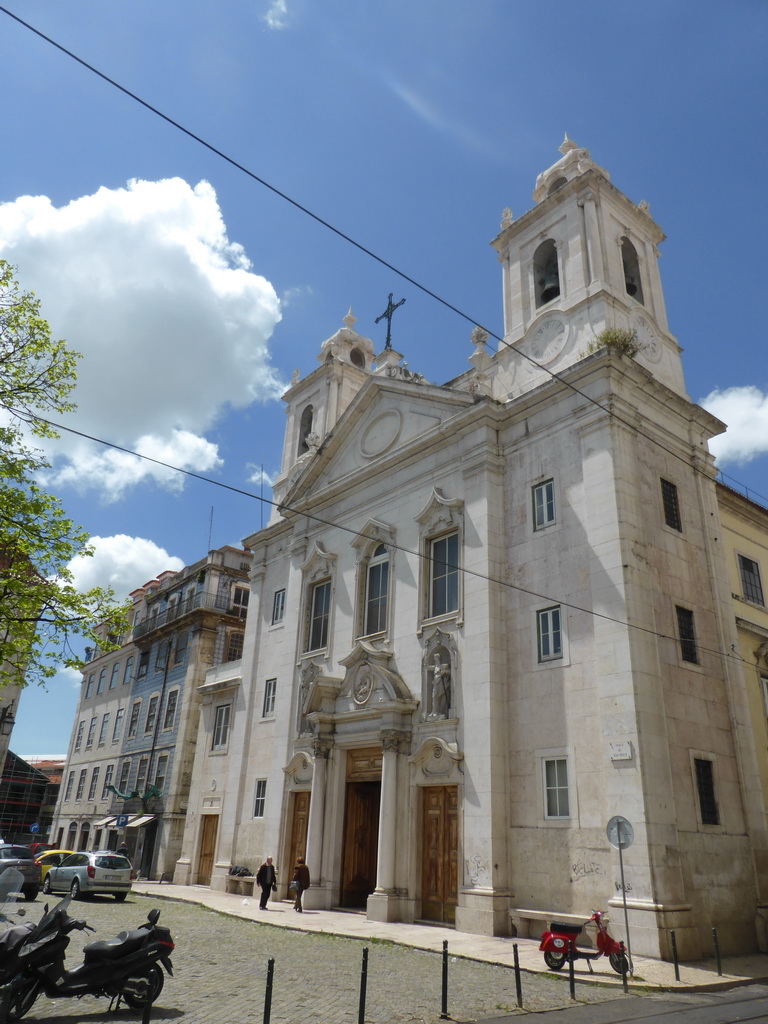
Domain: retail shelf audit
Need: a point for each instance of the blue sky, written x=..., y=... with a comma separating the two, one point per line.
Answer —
x=194, y=292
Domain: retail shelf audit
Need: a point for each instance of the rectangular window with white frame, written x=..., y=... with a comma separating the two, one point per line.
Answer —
x=170, y=710
x=161, y=771
x=118, y=724
x=376, y=591
x=133, y=724
x=278, y=607
x=70, y=784
x=91, y=732
x=260, y=798
x=557, y=798
x=319, y=615
x=141, y=775
x=443, y=553
x=81, y=784
x=149, y=725
x=221, y=718
x=108, y=777
x=94, y=783
x=125, y=771
x=79, y=736
x=751, y=584
x=549, y=635
x=543, y=496
x=104, y=729
x=270, y=690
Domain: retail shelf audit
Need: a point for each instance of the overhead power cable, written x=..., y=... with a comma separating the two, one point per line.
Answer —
x=352, y=241
x=313, y=517
x=406, y=277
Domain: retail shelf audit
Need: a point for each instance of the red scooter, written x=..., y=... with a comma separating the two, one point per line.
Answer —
x=560, y=942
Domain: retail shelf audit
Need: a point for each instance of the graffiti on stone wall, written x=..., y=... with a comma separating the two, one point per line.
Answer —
x=477, y=870
x=584, y=868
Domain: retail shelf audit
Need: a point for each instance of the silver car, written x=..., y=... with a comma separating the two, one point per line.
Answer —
x=100, y=871
x=21, y=859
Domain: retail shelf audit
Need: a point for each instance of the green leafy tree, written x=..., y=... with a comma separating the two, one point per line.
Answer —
x=41, y=611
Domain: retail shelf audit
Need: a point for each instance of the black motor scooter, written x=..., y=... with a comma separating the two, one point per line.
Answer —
x=123, y=968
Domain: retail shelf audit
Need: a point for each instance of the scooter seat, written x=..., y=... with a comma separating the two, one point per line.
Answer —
x=565, y=929
x=112, y=949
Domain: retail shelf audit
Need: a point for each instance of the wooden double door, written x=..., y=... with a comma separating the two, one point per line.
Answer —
x=440, y=852
x=361, y=840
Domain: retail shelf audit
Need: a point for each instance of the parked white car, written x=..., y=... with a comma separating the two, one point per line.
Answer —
x=82, y=874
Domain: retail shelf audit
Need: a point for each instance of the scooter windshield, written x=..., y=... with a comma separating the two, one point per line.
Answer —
x=48, y=918
x=11, y=882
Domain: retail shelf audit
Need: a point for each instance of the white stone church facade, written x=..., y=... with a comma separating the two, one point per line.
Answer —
x=490, y=614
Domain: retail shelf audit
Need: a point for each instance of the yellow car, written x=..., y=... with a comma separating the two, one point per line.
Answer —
x=51, y=859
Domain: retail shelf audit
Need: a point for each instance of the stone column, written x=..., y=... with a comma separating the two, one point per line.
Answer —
x=385, y=870
x=314, y=855
x=384, y=903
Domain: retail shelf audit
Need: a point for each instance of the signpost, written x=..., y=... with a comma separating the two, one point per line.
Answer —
x=621, y=835
x=121, y=820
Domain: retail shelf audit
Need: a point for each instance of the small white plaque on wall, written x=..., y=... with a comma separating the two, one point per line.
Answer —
x=621, y=750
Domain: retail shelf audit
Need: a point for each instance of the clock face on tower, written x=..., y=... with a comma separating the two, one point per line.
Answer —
x=647, y=341
x=548, y=340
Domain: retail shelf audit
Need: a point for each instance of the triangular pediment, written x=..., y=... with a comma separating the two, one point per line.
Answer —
x=386, y=419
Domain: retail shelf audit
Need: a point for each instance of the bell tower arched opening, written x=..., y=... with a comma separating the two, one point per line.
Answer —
x=546, y=273
x=305, y=429
x=632, y=280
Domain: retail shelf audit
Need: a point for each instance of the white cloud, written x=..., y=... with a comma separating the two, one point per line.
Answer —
x=745, y=410
x=116, y=471
x=171, y=320
x=123, y=563
x=277, y=15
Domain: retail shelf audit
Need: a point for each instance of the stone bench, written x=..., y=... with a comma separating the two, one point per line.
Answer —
x=530, y=924
x=241, y=885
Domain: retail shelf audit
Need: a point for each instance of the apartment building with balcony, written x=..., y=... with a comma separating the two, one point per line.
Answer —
x=129, y=764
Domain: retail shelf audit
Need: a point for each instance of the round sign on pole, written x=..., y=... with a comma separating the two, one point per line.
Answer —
x=620, y=832
x=34, y=828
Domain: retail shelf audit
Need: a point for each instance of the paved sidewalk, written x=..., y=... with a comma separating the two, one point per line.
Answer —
x=649, y=973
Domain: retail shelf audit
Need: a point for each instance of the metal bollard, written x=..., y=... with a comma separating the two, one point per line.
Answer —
x=674, y=955
x=571, y=975
x=363, y=986
x=444, y=1010
x=717, y=952
x=268, y=991
x=518, y=979
x=624, y=964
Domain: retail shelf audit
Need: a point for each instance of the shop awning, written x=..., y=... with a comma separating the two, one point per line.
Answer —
x=104, y=822
x=143, y=819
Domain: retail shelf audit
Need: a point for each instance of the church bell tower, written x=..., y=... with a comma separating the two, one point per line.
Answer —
x=583, y=259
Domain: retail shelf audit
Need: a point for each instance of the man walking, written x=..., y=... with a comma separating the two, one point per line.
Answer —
x=266, y=877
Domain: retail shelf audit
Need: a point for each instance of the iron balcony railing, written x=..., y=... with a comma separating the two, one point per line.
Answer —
x=175, y=610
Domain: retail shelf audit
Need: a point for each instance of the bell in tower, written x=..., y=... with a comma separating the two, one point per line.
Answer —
x=546, y=273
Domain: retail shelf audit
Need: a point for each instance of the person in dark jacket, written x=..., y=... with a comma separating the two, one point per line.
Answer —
x=301, y=878
x=266, y=878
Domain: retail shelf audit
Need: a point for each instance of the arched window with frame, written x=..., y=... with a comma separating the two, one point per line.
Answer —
x=376, y=592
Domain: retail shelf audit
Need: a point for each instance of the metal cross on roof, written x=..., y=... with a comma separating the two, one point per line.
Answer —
x=391, y=307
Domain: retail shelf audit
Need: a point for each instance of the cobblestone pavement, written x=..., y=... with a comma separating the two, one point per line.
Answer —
x=220, y=969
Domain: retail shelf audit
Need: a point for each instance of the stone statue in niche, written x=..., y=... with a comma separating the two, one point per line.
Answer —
x=440, y=689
